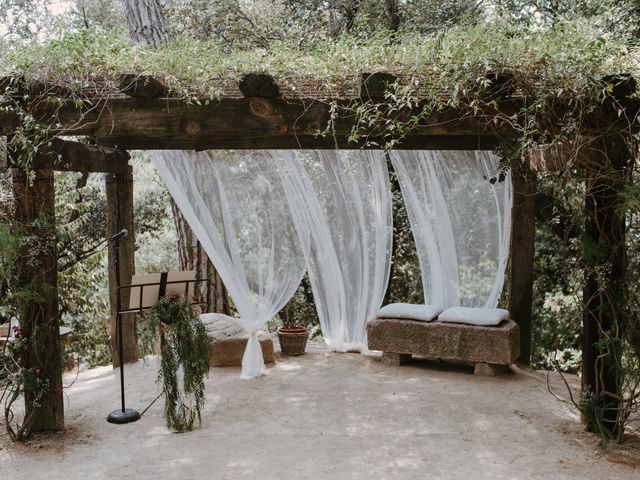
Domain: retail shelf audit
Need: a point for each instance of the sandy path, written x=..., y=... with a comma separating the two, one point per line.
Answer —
x=322, y=416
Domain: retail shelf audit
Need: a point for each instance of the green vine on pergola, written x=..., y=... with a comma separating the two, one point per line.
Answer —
x=556, y=74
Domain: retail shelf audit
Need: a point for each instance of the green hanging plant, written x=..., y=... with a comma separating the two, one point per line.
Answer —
x=183, y=344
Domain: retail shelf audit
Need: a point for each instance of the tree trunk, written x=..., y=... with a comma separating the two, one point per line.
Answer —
x=394, y=16
x=395, y=191
x=192, y=256
x=146, y=22
x=146, y=25
x=351, y=12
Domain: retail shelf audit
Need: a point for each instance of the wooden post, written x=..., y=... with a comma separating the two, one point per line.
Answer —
x=39, y=317
x=523, y=233
x=604, y=258
x=3, y=153
x=120, y=215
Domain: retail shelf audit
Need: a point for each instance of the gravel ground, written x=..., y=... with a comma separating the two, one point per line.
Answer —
x=326, y=416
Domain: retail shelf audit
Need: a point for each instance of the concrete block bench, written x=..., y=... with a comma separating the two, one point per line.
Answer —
x=490, y=349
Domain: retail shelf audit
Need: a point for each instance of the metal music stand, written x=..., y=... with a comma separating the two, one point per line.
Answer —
x=123, y=414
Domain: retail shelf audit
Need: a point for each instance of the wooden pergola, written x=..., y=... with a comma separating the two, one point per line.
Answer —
x=144, y=115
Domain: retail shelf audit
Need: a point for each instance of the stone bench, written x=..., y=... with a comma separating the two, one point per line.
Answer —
x=490, y=349
x=229, y=340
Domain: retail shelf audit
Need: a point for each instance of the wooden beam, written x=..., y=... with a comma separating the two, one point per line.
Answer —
x=3, y=154
x=215, y=142
x=237, y=123
x=19, y=86
x=548, y=158
x=501, y=85
x=63, y=155
x=523, y=233
x=120, y=215
x=37, y=273
x=142, y=86
x=376, y=85
x=558, y=157
x=259, y=85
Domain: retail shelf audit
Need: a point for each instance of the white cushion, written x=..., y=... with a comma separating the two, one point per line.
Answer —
x=474, y=316
x=409, y=311
x=219, y=325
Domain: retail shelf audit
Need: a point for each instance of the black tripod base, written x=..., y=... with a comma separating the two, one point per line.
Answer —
x=127, y=416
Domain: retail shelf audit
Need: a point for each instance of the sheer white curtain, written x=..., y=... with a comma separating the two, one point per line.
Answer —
x=236, y=206
x=461, y=223
x=342, y=199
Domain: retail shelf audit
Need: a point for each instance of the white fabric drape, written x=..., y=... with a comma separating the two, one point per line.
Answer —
x=236, y=206
x=342, y=200
x=461, y=223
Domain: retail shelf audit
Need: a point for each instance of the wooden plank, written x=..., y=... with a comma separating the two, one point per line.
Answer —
x=120, y=215
x=523, y=233
x=259, y=85
x=63, y=155
x=39, y=317
x=142, y=86
x=558, y=157
x=376, y=85
x=241, y=122
x=19, y=86
x=303, y=142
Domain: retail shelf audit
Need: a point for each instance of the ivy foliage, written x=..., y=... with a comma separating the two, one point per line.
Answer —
x=184, y=359
x=564, y=57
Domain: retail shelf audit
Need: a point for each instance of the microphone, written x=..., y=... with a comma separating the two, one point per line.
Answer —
x=122, y=233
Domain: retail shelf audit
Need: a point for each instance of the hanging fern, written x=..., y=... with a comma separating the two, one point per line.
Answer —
x=184, y=344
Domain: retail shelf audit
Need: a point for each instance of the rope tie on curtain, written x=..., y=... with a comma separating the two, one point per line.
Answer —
x=252, y=361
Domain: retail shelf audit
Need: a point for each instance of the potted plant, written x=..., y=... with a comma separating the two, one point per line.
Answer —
x=184, y=346
x=292, y=337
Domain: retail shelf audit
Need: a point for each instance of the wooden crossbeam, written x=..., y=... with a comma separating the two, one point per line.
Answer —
x=142, y=86
x=376, y=85
x=259, y=85
x=253, y=122
x=149, y=116
x=64, y=155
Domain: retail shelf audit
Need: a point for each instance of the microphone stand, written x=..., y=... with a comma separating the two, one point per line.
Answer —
x=122, y=415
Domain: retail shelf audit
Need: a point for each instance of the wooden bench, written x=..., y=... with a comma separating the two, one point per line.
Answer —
x=490, y=349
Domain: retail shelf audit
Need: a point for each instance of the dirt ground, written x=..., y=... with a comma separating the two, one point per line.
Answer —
x=325, y=416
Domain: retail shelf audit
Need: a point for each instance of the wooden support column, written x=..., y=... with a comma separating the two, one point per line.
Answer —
x=39, y=316
x=523, y=233
x=120, y=215
x=604, y=260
